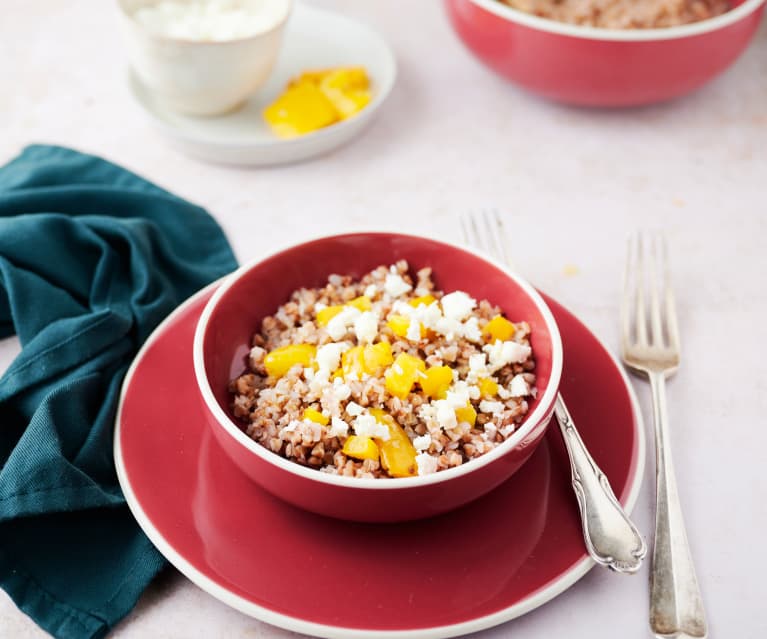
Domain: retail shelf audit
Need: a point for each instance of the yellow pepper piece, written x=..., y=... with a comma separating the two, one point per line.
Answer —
x=398, y=324
x=466, y=414
x=281, y=360
x=328, y=313
x=397, y=452
x=487, y=387
x=361, y=303
x=347, y=89
x=377, y=356
x=403, y=374
x=360, y=447
x=316, y=416
x=353, y=361
x=437, y=381
x=424, y=299
x=301, y=109
x=499, y=328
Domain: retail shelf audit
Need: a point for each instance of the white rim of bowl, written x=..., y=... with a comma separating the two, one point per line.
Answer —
x=400, y=483
x=159, y=37
x=541, y=596
x=624, y=35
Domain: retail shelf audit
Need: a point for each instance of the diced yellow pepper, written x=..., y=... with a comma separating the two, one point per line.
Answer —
x=398, y=324
x=315, y=416
x=353, y=361
x=424, y=299
x=361, y=303
x=360, y=447
x=499, y=328
x=301, y=109
x=466, y=414
x=377, y=356
x=487, y=387
x=347, y=89
x=437, y=381
x=397, y=452
x=281, y=360
x=328, y=313
x=403, y=374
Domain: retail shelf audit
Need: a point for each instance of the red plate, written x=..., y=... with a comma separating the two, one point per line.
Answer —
x=475, y=567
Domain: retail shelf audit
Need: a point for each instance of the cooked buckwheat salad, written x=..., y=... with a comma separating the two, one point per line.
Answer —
x=385, y=376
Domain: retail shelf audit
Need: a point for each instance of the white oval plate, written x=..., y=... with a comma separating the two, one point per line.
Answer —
x=314, y=38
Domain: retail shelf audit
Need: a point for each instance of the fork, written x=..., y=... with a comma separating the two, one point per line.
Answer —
x=610, y=536
x=676, y=607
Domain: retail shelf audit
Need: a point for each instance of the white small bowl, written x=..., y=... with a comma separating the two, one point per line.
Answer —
x=200, y=77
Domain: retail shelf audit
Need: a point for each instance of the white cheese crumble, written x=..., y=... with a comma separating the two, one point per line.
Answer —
x=354, y=409
x=366, y=327
x=395, y=286
x=341, y=391
x=486, y=406
x=490, y=431
x=414, y=330
x=319, y=381
x=501, y=353
x=338, y=326
x=422, y=442
x=508, y=429
x=369, y=426
x=477, y=367
x=338, y=428
x=426, y=464
x=504, y=393
x=445, y=414
x=328, y=356
x=290, y=428
x=457, y=305
x=519, y=386
x=371, y=290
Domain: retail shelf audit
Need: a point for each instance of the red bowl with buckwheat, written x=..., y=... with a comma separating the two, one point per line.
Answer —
x=589, y=65
x=377, y=377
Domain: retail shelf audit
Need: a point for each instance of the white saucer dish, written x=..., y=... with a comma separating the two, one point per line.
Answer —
x=314, y=38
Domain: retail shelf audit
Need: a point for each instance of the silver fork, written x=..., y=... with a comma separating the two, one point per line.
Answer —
x=676, y=607
x=611, y=538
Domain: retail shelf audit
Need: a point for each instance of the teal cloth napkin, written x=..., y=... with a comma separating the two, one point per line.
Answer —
x=92, y=257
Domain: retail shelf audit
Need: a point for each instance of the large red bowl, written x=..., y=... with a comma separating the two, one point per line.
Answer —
x=602, y=67
x=235, y=311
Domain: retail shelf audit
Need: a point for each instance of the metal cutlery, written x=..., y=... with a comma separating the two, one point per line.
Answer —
x=610, y=536
x=650, y=347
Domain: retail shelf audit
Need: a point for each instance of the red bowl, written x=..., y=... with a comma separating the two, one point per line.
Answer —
x=602, y=67
x=235, y=311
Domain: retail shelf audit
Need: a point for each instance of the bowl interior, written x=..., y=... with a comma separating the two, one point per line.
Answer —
x=267, y=284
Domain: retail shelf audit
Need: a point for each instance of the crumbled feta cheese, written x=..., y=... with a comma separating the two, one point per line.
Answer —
x=319, y=382
x=458, y=395
x=369, y=426
x=354, y=409
x=445, y=414
x=474, y=392
x=449, y=327
x=414, y=330
x=422, y=442
x=477, y=367
x=470, y=330
x=457, y=305
x=486, y=406
x=395, y=286
x=257, y=355
x=426, y=464
x=427, y=315
x=504, y=392
x=341, y=391
x=370, y=291
x=319, y=306
x=519, y=386
x=290, y=428
x=490, y=431
x=329, y=355
x=338, y=326
x=501, y=353
x=338, y=428
x=508, y=429
x=366, y=327
x=308, y=374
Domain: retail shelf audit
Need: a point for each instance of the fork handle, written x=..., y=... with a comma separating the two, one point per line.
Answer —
x=611, y=537
x=676, y=607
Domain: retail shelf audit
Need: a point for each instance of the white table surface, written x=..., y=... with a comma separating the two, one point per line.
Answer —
x=572, y=182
